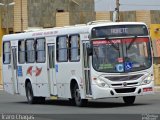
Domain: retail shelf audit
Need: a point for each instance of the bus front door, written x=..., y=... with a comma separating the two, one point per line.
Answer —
x=14, y=69
x=87, y=68
x=51, y=69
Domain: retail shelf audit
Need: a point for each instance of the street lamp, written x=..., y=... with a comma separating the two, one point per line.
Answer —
x=6, y=6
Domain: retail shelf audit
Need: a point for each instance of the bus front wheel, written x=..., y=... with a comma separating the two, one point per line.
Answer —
x=129, y=100
x=77, y=97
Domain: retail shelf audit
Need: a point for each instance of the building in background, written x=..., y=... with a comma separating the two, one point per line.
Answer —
x=2, y=32
x=25, y=14
x=7, y=15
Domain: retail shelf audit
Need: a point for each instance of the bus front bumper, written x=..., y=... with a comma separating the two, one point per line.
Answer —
x=104, y=92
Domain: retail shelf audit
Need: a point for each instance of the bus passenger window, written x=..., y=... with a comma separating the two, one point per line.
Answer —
x=30, y=51
x=62, y=49
x=74, y=48
x=40, y=48
x=6, y=52
x=21, y=52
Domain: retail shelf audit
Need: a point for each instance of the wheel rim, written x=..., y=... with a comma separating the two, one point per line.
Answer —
x=29, y=95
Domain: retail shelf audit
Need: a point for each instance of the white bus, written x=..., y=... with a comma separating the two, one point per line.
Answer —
x=81, y=62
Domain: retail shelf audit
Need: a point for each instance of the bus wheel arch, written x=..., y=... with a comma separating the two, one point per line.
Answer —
x=76, y=95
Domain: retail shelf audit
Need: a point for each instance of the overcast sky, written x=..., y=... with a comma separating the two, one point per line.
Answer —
x=109, y=5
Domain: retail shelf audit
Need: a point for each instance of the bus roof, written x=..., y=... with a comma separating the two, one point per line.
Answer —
x=57, y=31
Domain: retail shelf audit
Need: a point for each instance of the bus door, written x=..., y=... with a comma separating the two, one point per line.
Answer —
x=86, y=67
x=14, y=68
x=51, y=69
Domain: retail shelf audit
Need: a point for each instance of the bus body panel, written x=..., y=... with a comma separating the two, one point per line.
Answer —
x=8, y=82
x=64, y=74
x=53, y=78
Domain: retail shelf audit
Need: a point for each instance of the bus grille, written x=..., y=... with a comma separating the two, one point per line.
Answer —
x=125, y=90
x=124, y=78
x=120, y=84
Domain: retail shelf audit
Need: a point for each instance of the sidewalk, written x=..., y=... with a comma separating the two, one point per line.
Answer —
x=157, y=88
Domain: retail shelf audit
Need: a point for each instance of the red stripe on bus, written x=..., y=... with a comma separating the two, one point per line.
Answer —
x=116, y=41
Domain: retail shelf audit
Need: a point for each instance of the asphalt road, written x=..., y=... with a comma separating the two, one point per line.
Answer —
x=145, y=106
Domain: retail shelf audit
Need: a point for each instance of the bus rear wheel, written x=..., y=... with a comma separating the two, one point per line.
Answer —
x=129, y=100
x=77, y=97
x=30, y=97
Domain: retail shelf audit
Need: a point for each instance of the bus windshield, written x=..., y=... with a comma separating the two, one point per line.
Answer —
x=121, y=55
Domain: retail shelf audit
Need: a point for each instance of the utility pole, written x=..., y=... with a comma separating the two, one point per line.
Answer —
x=117, y=8
x=7, y=23
x=21, y=17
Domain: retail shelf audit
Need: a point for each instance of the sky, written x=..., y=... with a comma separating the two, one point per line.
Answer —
x=127, y=5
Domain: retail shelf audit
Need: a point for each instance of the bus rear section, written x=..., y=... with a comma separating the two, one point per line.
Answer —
x=121, y=61
x=9, y=63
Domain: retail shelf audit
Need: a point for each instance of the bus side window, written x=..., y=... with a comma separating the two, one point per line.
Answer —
x=40, y=50
x=6, y=52
x=74, y=53
x=21, y=52
x=30, y=51
x=62, y=49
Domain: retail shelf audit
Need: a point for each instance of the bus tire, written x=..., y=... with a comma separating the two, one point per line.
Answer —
x=129, y=100
x=29, y=94
x=77, y=97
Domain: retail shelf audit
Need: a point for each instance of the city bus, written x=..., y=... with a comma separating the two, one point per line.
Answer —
x=80, y=62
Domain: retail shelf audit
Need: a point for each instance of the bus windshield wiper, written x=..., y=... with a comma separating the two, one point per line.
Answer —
x=116, y=47
x=135, y=37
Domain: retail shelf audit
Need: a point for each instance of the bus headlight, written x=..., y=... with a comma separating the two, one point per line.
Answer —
x=147, y=79
x=101, y=83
